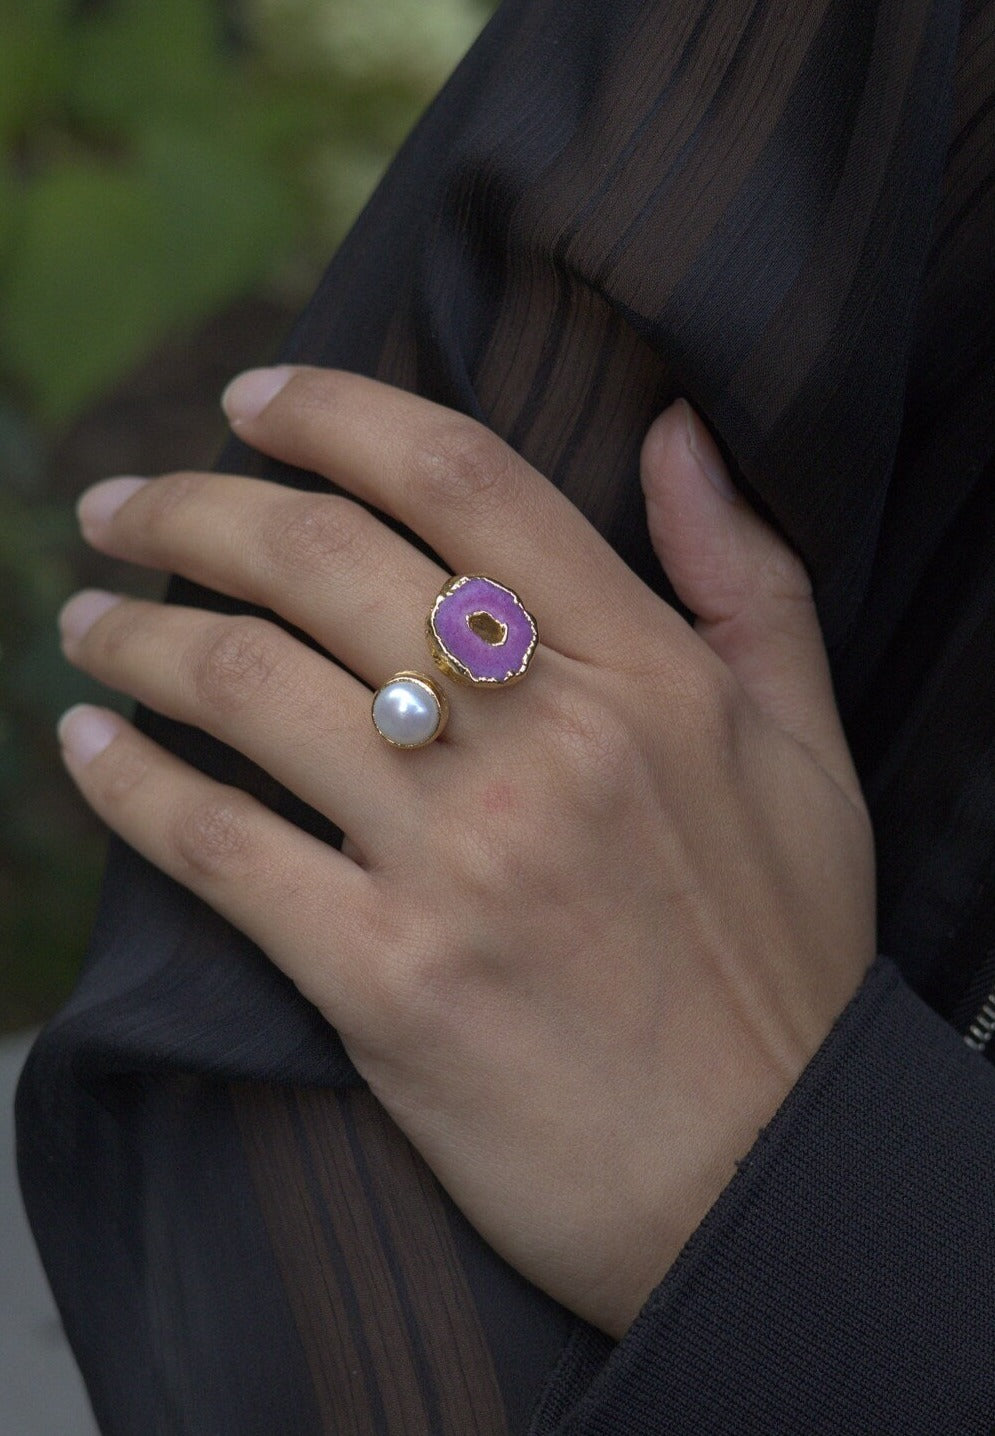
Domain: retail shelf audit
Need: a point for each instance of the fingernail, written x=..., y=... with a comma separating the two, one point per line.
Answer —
x=248, y=394
x=82, y=611
x=100, y=502
x=703, y=449
x=84, y=732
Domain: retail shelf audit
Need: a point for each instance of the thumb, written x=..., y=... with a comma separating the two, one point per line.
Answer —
x=748, y=589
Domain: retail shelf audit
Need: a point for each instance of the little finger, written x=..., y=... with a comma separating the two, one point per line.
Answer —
x=250, y=865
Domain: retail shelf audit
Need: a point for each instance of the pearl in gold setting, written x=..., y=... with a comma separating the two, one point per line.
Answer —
x=409, y=711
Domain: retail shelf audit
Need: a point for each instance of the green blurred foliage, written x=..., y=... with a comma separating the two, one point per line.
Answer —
x=158, y=159
x=155, y=162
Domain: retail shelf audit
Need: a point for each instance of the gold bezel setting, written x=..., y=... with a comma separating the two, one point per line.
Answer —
x=469, y=608
x=424, y=684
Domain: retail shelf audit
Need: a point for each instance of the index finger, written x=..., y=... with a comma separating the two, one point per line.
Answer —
x=477, y=503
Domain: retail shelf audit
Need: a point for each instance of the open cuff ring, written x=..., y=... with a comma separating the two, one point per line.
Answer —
x=479, y=633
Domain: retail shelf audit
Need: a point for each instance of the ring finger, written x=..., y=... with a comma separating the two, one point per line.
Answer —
x=244, y=680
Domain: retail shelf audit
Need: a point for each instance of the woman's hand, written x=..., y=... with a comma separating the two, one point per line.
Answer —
x=583, y=945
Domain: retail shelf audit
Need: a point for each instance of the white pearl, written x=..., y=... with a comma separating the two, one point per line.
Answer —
x=407, y=713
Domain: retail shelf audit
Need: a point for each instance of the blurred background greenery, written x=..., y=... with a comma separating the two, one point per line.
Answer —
x=174, y=174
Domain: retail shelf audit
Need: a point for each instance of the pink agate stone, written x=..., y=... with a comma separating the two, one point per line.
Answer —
x=480, y=633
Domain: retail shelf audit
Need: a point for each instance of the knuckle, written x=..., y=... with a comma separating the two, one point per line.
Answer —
x=422, y=981
x=592, y=747
x=587, y=734
x=236, y=661
x=213, y=838
x=494, y=858
x=313, y=390
x=120, y=770
x=462, y=463
x=710, y=708
x=702, y=690
x=418, y=949
x=160, y=500
x=315, y=534
x=116, y=633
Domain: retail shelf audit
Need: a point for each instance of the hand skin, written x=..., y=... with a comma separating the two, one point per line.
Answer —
x=586, y=942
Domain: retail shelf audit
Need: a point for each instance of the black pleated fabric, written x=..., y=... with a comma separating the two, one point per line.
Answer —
x=785, y=213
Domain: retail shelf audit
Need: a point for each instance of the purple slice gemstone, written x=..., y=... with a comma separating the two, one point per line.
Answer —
x=484, y=662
